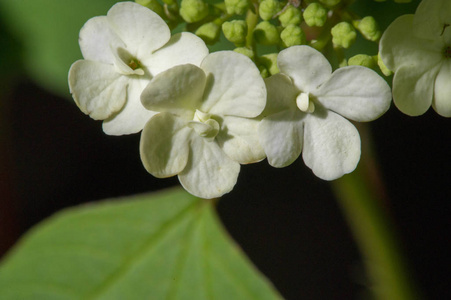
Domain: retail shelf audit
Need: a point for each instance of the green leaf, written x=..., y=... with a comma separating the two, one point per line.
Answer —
x=48, y=31
x=167, y=245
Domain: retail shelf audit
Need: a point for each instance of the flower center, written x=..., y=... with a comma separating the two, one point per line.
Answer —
x=204, y=125
x=304, y=103
x=134, y=64
x=447, y=52
x=126, y=64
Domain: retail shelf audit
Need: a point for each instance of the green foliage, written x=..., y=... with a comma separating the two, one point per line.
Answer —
x=168, y=245
x=48, y=31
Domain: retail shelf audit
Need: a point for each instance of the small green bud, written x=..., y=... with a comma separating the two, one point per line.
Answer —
x=236, y=7
x=386, y=71
x=266, y=34
x=292, y=35
x=269, y=61
x=245, y=51
x=263, y=71
x=362, y=60
x=209, y=32
x=235, y=31
x=369, y=28
x=315, y=15
x=268, y=8
x=193, y=10
x=343, y=35
x=153, y=5
x=291, y=15
x=330, y=3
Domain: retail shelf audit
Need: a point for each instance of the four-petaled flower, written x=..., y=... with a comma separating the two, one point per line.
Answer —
x=122, y=52
x=306, y=107
x=417, y=48
x=205, y=127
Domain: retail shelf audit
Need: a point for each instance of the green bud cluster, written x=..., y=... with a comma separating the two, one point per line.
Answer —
x=236, y=7
x=369, y=28
x=315, y=15
x=343, y=35
x=263, y=25
x=268, y=8
x=235, y=31
x=193, y=10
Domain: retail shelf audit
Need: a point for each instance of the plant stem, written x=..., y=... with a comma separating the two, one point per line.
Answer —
x=361, y=201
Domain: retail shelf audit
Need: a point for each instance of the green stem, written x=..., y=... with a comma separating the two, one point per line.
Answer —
x=362, y=204
x=251, y=20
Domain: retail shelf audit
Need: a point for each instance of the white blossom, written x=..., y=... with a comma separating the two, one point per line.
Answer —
x=122, y=52
x=206, y=124
x=417, y=48
x=306, y=109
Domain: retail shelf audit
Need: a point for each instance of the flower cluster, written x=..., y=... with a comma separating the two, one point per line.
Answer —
x=203, y=115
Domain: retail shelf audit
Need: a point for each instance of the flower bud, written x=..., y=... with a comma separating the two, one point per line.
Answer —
x=330, y=3
x=362, y=60
x=343, y=35
x=315, y=15
x=193, y=10
x=386, y=71
x=209, y=32
x=236, y=7
x=268, y=8
x=235, y=31
x=292, y=35
x=153, y=5
x=245, y=51
x=266, y=34
x=369, y=28
x=269, y=61
x=291, y=15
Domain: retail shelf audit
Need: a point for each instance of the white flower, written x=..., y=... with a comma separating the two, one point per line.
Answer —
x=417, y=48
x=305, y=105
x=122, y=52
x=204, y=130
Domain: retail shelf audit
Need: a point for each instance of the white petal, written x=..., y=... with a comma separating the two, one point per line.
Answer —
x=210, y=173
x=97, y=39
x=413, y=89
x=239, y=140
x=306, y=66
x=98, y=90
x=234, y=85
x=178, y=90
x=400, y=47
x=133, y=116
x=442, y=90
x=331, y=145
x=356, y=93
x=281, y=136
x=281, y=94
x=182, y=48
x=430, y=18
x=142, y=30
x=164, y=145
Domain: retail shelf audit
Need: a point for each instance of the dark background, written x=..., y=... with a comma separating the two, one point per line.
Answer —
x=286, y=220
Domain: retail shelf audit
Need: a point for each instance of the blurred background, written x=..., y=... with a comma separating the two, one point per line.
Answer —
x=286, y=220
